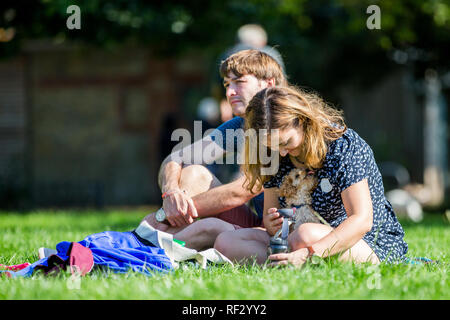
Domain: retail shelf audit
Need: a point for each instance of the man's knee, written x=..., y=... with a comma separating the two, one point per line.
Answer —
x=194, y=171
x=196, y=179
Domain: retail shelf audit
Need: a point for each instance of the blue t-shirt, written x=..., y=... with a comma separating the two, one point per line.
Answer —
x=349, y=160
x=229, y=138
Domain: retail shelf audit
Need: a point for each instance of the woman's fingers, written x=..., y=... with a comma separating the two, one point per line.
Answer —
x=274, y=222
x=275, y=219
x=296, y=258
x=273, y=215
x=279, y=256
x=272, y=210
x=278, y=259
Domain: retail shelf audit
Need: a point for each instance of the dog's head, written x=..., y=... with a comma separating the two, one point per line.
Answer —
x=301, y=177
x=298, y=181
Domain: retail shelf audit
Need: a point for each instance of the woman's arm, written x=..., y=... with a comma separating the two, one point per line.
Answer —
x=358, y=205
x=271, y=218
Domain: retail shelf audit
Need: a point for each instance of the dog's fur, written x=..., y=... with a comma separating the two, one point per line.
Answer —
x=296, y=188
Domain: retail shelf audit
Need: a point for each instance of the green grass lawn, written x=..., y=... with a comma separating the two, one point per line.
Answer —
x=22, y=234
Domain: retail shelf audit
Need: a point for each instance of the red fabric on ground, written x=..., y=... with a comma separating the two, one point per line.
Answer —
x=81, y=259
x=16, y=267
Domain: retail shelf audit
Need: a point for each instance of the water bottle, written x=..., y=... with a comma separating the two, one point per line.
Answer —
x=277, y=245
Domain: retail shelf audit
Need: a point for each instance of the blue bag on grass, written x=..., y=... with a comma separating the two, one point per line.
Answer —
x=118, y=251
x=122, y=251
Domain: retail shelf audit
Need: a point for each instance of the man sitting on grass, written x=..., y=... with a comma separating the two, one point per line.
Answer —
x=191, y=191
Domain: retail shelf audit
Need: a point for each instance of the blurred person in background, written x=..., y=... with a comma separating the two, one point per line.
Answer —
x=248, y=36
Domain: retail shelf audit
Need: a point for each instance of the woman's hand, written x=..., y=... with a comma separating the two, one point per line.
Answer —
x=179, y=208
x=272, y=221
x=296, y=258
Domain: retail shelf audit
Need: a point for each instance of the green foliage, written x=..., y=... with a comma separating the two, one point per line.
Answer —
x=330, y=35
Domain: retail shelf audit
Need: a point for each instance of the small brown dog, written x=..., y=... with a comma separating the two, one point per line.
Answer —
x=296, y=188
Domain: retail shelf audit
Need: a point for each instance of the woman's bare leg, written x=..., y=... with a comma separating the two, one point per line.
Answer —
x=309, y=233
x=202, y=234
x=244, y=245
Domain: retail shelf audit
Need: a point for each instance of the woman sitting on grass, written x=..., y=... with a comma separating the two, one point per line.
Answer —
x=349, y=195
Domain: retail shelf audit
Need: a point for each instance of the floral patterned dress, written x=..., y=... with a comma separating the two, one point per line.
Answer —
x=350, y=160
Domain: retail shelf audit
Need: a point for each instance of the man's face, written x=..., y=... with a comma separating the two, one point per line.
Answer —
x=240, y=90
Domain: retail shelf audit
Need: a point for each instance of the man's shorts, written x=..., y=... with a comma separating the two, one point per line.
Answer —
x=241, y=217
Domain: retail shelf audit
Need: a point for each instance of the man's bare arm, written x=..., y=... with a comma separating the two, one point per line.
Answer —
x=179, y=207
x=222, y=198
x=170, y=170
x=169, y=175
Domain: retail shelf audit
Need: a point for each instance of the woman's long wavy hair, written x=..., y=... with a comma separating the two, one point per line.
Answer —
x=282, y=108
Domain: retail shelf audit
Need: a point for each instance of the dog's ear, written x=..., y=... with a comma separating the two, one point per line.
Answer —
x=298, y=175
x=290, y=179
x=315, y=182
